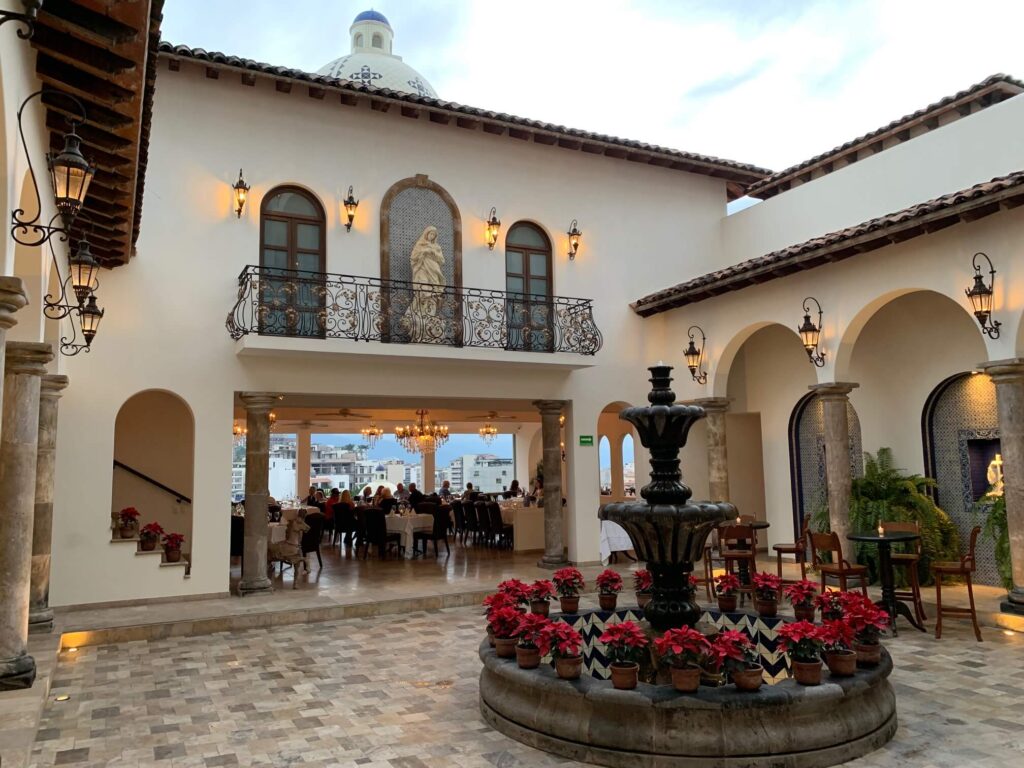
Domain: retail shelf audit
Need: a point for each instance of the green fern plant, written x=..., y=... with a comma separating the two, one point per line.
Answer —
x=995, y=528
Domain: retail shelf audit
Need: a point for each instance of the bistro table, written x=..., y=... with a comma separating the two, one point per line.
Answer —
x=889, y=602
x=406, y=525
x=756, y=525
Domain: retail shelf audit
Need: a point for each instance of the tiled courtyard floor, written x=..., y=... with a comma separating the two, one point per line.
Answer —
x=401, y=692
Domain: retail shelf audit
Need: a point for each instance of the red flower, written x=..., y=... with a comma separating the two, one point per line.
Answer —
x=766, y=585
x=802, y=639
x=173, y=540
x=151, y=531
x=609, y=582
x=642, y=580
x=560, y=640
x=505, y=621
x=493, y=603
x=128, y=515
x=680, y=647
x=801, y=592
x=865, y=619
x=692, y=580
x=542, y=589
x=568, y=581
x=727, y=584
x=531, y=627
x=625, y=641
x=836, y=635
x=732, y=650
x=516, y=589
x=830, y=601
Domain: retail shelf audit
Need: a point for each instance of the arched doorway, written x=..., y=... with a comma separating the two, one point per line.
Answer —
x=604, y=454
x=628, y=466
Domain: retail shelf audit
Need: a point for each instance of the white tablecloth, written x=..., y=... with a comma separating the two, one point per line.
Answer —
x=407, y=525
x=277, y=532
x=613, y=539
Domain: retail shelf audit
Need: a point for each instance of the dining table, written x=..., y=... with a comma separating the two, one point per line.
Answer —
x=889, y=603
x=613, y=539
x=406, y=525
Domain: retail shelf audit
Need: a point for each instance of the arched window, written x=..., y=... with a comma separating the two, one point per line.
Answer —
x=528, y=283
x=628, y=467
x=378, y=41
x=292, y=261
x=604, y=465
x=359, y=40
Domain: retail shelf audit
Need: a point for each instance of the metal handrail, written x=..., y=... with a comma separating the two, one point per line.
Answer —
x=151, y=481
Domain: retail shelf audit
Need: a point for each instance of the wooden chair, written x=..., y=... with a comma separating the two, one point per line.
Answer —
x=438, y=531
x=738, y=544
x=311, y=538
x=377, y=533
x=798, y=549
x=838, y=568
x=964, y=568
x=460, y=520
x=503, y=532
x=909, y=561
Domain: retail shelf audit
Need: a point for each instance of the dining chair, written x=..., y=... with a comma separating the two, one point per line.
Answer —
x=910, y=561
x=503, y=532
x=438, y=531
x=377, y=533
x=460, y=520
x=963, y=569
x=472, y=525
x=311, y=538
x=737, y=546
x=484, y=522
x=838, y=567
x=798, y=549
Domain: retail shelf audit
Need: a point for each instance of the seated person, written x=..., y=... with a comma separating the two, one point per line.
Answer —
x=310, y=500
x=415, y=495
x=514, y=489
x=387, y=501
x=401, y=493
x=446, y=490
x=469, y=494
x=367, y=495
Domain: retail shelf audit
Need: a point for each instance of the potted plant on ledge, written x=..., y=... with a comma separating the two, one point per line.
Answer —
x=867, y=621
x=609, y=584
x=803, y=641
x=504, y=622
x=643, y=585
x=518, y=590
x=149, y=536
x=726, y=587
x=128, y=522
x=836, y=638
x=766, y=593
x=564, y=644
x=492, y=604
x=734, y=655
x=172, y=547
x=801, y=595
x=831, y=604
x=569, y=583
x=541, y=591
x=625, y=642
x=683, y=650
x=531, y=627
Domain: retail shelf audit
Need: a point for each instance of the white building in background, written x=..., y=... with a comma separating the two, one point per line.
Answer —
x=485, y=471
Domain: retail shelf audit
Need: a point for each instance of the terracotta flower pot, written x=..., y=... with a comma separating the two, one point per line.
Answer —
x=569, y=667
x=841, y=663
x=831, y=615
x=172, y=555
x=540, y=607
x=624, y=676
x=727, y=603
x=147, y=545
x=868, y=654
x=749, y=679
x=127, y=531
x=807, y=672
x=804, y=612
x=766, y=608
x=643, y=598
x=686, y=679
x=505, y=647
x=608, y=602
x=528, y=657
x=569, y=604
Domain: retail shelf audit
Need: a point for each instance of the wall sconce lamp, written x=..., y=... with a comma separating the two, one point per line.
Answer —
x=810, y=334
x=241, y=194
x=981, y=297
x=27, y=18
x=574, y=239
x=493, y=227
x=695, y=356
x=272, y=418
x=350, y=204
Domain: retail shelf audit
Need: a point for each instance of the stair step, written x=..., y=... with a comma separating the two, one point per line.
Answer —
x=119, y=540
x=179, y=564
x=149, y=552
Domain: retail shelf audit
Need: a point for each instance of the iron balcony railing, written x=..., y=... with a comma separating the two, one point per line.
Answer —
x=299, y=304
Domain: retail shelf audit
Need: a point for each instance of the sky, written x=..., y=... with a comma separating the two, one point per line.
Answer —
x=768, y=82
x=388, y=447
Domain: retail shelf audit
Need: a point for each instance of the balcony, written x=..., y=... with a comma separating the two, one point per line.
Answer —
x=318, y=305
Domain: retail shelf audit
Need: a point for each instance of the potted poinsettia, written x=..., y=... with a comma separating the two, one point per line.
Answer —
x=830, y=602
x=643, y=585
x=734, y=655
x=528, y=633
x=766, y=593
x=172, y=546
x=726, y=587
x=867, y=621
x=504, y=622
x=683, y=650
x=149, y=536
x=541, y=591
x=568, y=583
x=802, y=640
x=492, y=603
x=565, y=645
x=837, y=639
x=625, y=642
x=128, y=522
x=801, y=595
x=609, y=584
x=517, y=589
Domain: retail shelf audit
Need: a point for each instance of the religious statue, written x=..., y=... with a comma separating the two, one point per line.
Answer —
x=995, y=476
x=422, y=320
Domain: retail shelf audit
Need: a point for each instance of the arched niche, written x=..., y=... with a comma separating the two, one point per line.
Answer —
x=628, y=465
x=605, y=467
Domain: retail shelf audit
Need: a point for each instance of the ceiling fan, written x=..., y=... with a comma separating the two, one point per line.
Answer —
x=302, y=424
x=491, y=416
x=345, y=414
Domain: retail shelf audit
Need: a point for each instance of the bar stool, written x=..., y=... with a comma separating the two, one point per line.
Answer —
x=737, y=545
x=964, y=569
x=797, y=549
x=909, y=561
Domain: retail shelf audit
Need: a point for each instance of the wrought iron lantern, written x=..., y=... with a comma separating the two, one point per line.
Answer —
x=272, y=418
x=488, y=432
x=981, y=296
x=89, y=318
x=810, y=334
x=695, y=356
x=371, y=434
x=241, y=194
x=493, y=227
x=350, y=204
x=84, y=271
x=574, y=234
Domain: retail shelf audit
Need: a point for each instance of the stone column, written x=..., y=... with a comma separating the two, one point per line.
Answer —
x=427, y=467
x=257, y=477
x=551, y=439
x=40, y=615
x=716, y=409
x=25, y=366
x=1008, y=376
x=838, y=477
x=303, y=462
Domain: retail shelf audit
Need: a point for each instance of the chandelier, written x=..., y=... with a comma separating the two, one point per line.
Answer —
x=424, y=437
x=371, y=434
x=488, y=432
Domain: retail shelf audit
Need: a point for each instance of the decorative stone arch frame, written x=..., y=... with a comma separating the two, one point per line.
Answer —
x=419, y=181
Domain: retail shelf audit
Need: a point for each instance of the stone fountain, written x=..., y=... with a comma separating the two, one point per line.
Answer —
x=668, y=532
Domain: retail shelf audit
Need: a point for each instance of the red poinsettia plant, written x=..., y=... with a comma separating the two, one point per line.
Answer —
x=128, y=516
x=542, y=589
x=836, y=635
x=727, y=584
x=732, y=651
x=531, y=627
x=151, y=531
x=625, y=642
x=560, y=640
x=865, y=618
x=680, y=647
x=766, y=585
x=801, y=593
x=642, y=580
x=516, y=589
x=504, y=622
x=173, y=540
x=497, y=601
x=802, y=639
x=692, y=580
x=831, y=604
x=568, y=581
x=609, y=582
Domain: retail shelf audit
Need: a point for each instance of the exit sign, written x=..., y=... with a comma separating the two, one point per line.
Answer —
x=587, y=440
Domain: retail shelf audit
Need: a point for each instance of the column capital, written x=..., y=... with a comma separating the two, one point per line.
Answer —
x=12, y=298
x=28, y=357
x=549, y=407
x=53, y=385
x=259, y=401
x=712, y=404
x=833, y=389
x=1004, y=370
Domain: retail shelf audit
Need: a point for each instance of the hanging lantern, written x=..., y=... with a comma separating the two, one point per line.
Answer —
x=90, y=317
x=695, y=356
x=810, y=334
x=981, y=297
x=574, y=234
x=493, y=227
x=350, y=204
x=70, y=174
x=241, y=194
x=84, y=271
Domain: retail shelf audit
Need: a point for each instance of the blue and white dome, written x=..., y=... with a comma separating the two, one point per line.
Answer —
x=371, y=61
